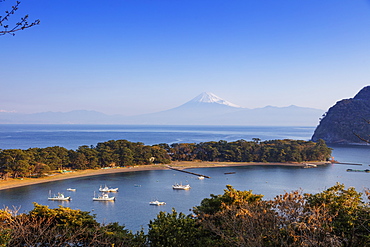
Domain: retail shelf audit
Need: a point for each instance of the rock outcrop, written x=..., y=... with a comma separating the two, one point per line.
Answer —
x=346, y=120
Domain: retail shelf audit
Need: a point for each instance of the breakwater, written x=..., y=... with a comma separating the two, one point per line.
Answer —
x=354, y=164
x=192, y=173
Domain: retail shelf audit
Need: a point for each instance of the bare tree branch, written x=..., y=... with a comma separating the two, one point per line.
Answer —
x=20, y=25
x=360, y=137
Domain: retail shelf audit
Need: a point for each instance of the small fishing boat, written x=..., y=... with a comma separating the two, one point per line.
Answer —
x=229, y=173
x=157, y=203
x=356, y=170
x=181, y=187
x=103, y=197
x=59, y=197
x=201, y=177
x=70, y=189
x=107, y=189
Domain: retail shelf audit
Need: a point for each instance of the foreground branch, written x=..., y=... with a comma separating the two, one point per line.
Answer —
x=21, y=25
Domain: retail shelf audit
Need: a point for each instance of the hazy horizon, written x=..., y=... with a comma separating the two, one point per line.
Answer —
x=169, y=108
x=136, y=57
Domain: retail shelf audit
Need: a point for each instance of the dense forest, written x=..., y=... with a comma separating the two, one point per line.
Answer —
x=334, y=217
x=36, y=162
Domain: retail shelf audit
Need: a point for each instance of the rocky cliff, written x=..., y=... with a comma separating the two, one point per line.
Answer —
x=345, y=119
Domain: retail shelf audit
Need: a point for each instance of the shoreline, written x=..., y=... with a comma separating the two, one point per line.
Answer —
x=14, y=183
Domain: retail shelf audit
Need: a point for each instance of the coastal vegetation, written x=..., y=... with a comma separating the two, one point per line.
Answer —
x=37, y=162
x=334, y=217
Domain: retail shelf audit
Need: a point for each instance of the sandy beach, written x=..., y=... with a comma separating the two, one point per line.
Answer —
x=13, y=183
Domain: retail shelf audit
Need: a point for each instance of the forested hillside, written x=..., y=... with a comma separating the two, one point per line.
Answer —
x=346, y=120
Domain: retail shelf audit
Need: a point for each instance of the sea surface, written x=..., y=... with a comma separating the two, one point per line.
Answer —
x=137, y=189
x=25, y=136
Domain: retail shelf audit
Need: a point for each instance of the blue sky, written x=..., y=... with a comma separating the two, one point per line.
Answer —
x=134, y=56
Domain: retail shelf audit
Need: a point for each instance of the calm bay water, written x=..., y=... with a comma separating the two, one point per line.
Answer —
x=136, y=189
x=73, y=136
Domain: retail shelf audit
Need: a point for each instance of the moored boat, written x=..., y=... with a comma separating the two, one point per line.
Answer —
x=103, y=197
x=309, y=166
x=70, y=189
x=157, y=203
x=181, y=187
x=201, y=177
x=356, y=170
x=107, y=189
x=59, y=197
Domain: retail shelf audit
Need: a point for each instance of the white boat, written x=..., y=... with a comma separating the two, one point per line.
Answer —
x=107, y=189
x=157, y=203
x=70, y=189
x=59, y=197
x=181, y=187
x=103, y=197
x=309, y=166
x=201, y=177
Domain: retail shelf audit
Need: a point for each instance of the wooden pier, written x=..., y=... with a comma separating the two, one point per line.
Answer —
x=192, y=173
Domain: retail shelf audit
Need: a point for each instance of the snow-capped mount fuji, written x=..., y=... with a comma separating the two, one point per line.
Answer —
x=199, y=110
x=210, y=98
x=209, y=109
x=209, y=104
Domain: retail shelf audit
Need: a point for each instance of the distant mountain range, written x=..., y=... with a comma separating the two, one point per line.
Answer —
x=205, y=109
